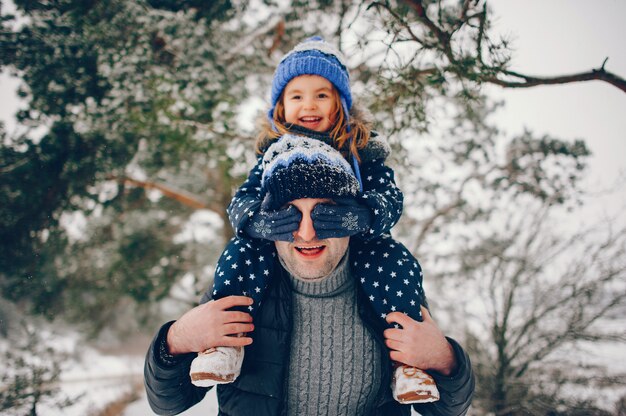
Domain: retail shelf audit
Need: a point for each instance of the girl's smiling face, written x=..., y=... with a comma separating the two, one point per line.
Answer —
x=309, y=101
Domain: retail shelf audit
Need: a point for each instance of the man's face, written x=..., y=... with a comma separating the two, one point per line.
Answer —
x=307, y=257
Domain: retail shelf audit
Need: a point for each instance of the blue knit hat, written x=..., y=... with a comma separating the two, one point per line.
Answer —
x=313, y=56
x=297, y=167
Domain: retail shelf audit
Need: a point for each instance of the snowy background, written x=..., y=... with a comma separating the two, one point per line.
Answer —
x=550, y=38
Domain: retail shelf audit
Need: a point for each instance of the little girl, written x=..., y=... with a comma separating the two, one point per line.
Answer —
x=311, y=97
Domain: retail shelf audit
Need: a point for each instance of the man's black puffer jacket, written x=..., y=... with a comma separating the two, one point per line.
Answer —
x=261, y=387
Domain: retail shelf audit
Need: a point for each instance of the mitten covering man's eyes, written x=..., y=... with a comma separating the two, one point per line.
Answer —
x=343, y=219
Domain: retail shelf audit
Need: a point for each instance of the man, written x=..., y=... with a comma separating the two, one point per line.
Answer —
x=315, y=345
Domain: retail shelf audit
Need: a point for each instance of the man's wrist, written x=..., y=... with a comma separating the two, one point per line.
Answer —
x=161, y=349
x=448, y=365
x=170, y=341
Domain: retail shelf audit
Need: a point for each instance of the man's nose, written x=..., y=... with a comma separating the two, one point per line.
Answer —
x=305, y=232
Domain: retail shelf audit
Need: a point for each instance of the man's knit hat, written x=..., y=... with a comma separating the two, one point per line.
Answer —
x=297, y=167
x=313, y=56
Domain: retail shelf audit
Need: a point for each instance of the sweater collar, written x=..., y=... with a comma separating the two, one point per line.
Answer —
x=335, y=283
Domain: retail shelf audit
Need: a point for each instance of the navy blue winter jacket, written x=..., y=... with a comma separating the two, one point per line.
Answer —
x=260, y=389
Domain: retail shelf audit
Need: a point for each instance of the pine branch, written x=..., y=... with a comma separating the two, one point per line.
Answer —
x=442, y=36
x=404, y=24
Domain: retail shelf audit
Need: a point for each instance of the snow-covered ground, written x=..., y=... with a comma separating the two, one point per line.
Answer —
x=89, y=378
x=105, y=379
x=101, y=380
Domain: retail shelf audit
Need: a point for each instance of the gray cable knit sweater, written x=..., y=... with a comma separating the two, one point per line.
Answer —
x=329, y=347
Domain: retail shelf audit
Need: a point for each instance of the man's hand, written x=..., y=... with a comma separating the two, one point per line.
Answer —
x=419, y=344
x=211, y=325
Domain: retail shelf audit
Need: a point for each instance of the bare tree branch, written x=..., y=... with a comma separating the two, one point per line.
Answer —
x=442, y=36
x=481, y=33
x=527, y=81
x=482, y=72
x=278, y=37
x=534, y=315
x=430, y=222
x=181, y=196
x=16, y=165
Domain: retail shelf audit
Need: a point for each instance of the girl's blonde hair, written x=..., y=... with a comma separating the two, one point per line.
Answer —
x=359, y=129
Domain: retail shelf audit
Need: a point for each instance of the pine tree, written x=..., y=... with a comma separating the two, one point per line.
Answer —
x=142, y=103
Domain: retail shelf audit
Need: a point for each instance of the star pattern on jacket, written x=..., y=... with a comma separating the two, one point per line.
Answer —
x=247, y=200
x=394, y=282
x=392, y=278
x=382, y=196
x=244, y=268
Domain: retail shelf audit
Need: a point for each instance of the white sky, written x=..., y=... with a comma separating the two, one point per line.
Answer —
x=550, y=37
x=556, y=37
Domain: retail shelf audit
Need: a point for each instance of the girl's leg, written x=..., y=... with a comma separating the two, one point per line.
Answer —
x=392, y=280
x=243, y=269
x=390, y=276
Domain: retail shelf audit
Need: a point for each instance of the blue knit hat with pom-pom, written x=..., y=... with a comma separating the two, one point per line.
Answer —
x=313, y=56
x=297, y=167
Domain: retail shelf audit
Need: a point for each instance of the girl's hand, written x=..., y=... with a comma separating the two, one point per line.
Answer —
x=276, y=225
x=211, y=325
x=344, y=218
x=419, y=344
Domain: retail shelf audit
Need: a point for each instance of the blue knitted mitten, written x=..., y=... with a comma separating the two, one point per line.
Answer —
x=344, y=218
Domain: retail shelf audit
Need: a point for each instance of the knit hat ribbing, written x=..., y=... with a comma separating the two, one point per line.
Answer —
x=313, y=56
x=297, y=167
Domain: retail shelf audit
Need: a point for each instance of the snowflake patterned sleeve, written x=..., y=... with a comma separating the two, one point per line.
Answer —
x=382, y=196
x=244, y=269
x=247, y=200
x=390, y=276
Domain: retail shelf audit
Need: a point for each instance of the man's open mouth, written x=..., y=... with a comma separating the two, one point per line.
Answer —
x=311, y=251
